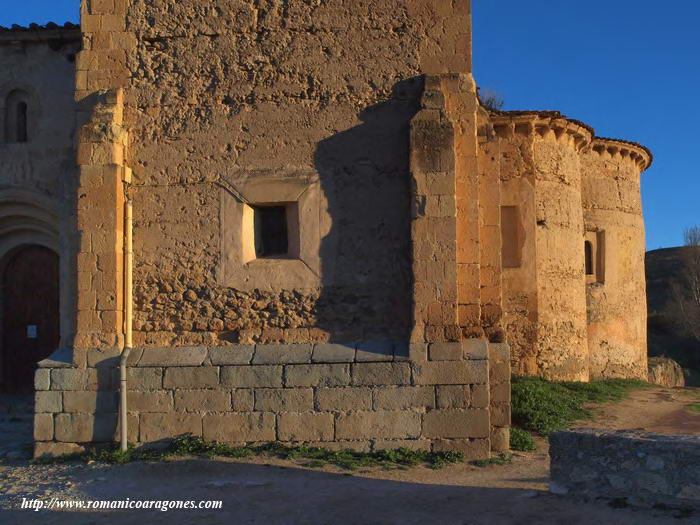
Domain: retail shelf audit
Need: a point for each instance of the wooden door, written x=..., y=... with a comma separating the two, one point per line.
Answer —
x=30, y=315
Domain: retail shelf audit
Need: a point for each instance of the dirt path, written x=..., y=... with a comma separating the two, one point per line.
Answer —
x=269, y=491
x=659, y=410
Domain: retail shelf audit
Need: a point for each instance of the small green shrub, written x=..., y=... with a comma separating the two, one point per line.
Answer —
x=111, y=455
x=546, y=406
x=521, y=440
x=188, y=445
x=503, y=459
x=440, y=460
x=694, y=407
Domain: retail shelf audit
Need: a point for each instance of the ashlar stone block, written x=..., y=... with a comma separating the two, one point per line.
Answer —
x=284, y=400
x=306, y=427
x=319, y=375
x=472, y=423
x=381, y=424
x=263, y=376
x=236, y=428
x=191, y=377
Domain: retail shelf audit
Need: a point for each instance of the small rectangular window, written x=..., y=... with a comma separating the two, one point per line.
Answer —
x=511, y=237
x=271, y=232
x=594, y=257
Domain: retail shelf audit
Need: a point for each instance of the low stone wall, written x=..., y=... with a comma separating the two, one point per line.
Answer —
x=364, y=396
x=666, y=372
x=643, y=469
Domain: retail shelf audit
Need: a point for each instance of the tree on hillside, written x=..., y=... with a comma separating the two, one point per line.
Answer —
x=686, y=289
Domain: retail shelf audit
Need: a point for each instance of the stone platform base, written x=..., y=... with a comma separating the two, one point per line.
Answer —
x=364, y=396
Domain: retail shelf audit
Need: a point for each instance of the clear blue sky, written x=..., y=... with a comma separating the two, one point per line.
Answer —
x=24, y=12
x=629, y=68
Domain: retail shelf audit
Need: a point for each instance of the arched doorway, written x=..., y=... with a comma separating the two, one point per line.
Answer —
x=30, y=314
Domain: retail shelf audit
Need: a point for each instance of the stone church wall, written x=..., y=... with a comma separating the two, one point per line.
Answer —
x=204, y=114
x=518, y=227
x=424, y=235
x=37, y=171
x=562, y=348
x=573, y=247
x=616, y=289
x=542, y=224
x=308, y=103
x=41, y=64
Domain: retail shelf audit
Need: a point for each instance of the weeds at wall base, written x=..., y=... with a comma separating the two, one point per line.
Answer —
x=521, y=440
x=312, y=457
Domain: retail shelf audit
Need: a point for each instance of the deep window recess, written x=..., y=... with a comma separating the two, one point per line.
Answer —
x=271, y=232
x=590, y=268
x=511, y=237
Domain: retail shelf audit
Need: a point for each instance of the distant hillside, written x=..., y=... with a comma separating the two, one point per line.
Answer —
x=664, y=336
x=662, y=265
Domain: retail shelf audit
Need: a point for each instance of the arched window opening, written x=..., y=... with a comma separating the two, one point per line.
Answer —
x=588, y=246
x=17, y=117
x=22, y=122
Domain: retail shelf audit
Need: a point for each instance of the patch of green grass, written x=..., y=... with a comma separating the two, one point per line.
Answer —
x=546, y=406
x=352, y=460
x=521, y=440
x=503, y=459
x=604, y=391
x=694, y=407
x=111, y=455
x=313, y=457
x=188, y=445
x=442, y=459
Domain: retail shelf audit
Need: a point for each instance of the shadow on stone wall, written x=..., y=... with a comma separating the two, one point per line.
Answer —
x=366, y=257
x=106, y=426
